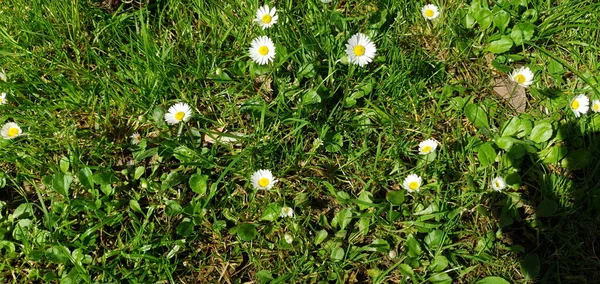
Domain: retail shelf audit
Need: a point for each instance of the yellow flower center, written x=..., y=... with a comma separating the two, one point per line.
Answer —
x=179, y=115
x=13, y=131
x=520, y=78
x=263, y=182
x=575, y=104
x=596, y=107
x=413, y=185
x=497, y=184
x=427, y=149
x=266, y=19
x=263, y=50
x=1, y=100
x=359, y=50
x=429, y=13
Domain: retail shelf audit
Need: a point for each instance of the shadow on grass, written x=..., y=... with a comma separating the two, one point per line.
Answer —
x=553, y=222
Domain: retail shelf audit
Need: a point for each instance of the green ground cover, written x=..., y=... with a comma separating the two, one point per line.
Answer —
x=82, y=202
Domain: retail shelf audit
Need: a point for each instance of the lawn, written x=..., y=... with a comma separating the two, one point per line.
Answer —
x=210, y=141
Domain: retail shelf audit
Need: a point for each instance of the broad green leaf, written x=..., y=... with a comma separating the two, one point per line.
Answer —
x=320, y=237
x=311, y=97
x=139, y=171
x=172, y=208
x=414, y=248
x=441, y=278
x=104, y=178
x=504, y=143
x=486, y=154
x=264, y=276
x=492, y=280
x=64, y=164
x=334, y=142
x=541, y=132
x=530, y=266
x=477, y=116
x=439, y=263
x=501, y=19
x=511, y=127
x=553, y=154
x=483, y=16
x=525, y=126
x=246, y=232
x=344, y=217
x=185, y=154
x=500, y=46
x=521, y=32
x=199, y=184
x=135, y=206
x=337, y=254
x=86, y=178
x=271, y=212
x=513, y=180
x=185, y=228
x=58, y=254
x=396, y=197
x=61, y=183
x=22, y=230
x=25, y=210
x=406, y=270
x=577, y=160
x=546, y=208
x=435, y=239
x=367, y=198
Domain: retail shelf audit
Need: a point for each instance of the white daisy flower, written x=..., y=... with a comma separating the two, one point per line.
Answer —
x=266, y=18
x=596, y=106
x=288, y=238
x=3, y=98
x=498, y=184
x=430, y=11
x=427, y=146
x=178, y=113
x=262, y=50
x=522, y=76
x=360, y=50
x=412, y=183
x=3, y=76
x=263, y=179
x=136, y=138
x=325, y=1
x=580, y=105
x=286, y=212
x=10, y=130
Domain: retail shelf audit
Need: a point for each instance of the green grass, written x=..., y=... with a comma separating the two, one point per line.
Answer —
x=81, y=204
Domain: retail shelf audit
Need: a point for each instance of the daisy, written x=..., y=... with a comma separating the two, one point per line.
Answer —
x=498, y=184
x=430, y=12
x=263, y=179
x=325, y=1
x=10, y=130
x=288, y=238
x=286, y=212
x=266, y=18
x=412, y=183
x=262, y=50
x=360, y=49
x=178, y=113
x=136, y=138
x=3, y=76
x=596, y=106
x=522, y=76
x=580, y=105
x=427, y=146
x=3, y=98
